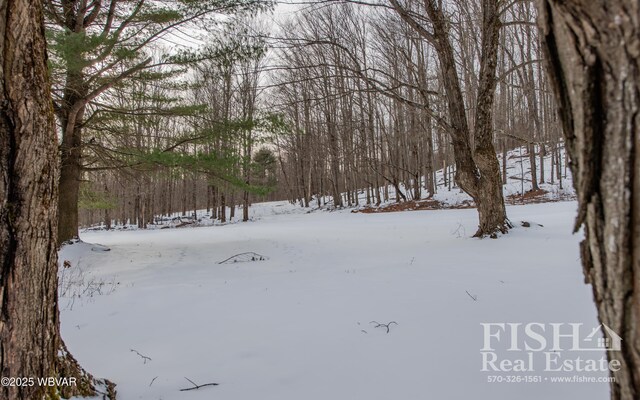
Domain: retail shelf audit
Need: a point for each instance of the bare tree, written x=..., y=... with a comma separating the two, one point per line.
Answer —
x=361, y=107
x=478, y=170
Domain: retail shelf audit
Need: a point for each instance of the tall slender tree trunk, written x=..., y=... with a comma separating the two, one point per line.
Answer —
x=245, y=206
x=30, y=343
x=593, y=59
x=232, y=207
x=107, y=211
x=223, y=207
x=335, y=166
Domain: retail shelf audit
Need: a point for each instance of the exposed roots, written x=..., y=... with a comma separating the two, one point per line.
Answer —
x=85, y=384
x=494, y=231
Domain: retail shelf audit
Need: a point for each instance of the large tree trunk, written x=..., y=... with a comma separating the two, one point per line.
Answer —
x=488, y=194
x=477, y=167
x=30, y=344
x=71, y=115
x=28, y=318
x=69, y=185
x=489, y=198
x=593, y=55
x=70, y=112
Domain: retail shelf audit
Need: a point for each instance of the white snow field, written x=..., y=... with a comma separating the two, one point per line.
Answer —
x=297, y=326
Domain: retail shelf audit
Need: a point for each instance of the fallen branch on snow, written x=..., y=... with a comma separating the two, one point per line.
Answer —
x=196, y=386
x=244, y=257
x=387, y=325
x=144, y=358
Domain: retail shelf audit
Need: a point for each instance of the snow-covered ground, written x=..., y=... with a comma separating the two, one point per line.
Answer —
x=297, y=326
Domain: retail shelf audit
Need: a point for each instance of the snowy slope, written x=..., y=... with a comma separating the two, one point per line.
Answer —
x=297, y=326
x=518, y=180
x=518, y=183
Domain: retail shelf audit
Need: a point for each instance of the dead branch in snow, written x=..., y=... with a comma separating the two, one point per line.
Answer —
x=387, y=325
x=144, y=358
x=196, y=386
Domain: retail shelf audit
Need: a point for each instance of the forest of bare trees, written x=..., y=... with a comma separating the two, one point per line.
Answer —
x=345, y=101
x=372, y=97
x=164, y=109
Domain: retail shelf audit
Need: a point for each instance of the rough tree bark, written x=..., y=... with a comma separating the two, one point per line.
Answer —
x=593, y=55
x=30, y=343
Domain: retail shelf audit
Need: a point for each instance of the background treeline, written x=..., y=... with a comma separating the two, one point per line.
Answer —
x=336, y=104
x=362, y=93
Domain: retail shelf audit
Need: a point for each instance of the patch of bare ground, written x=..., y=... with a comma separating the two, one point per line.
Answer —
x=413, y=205
x=536, y=196
x=530, y=197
